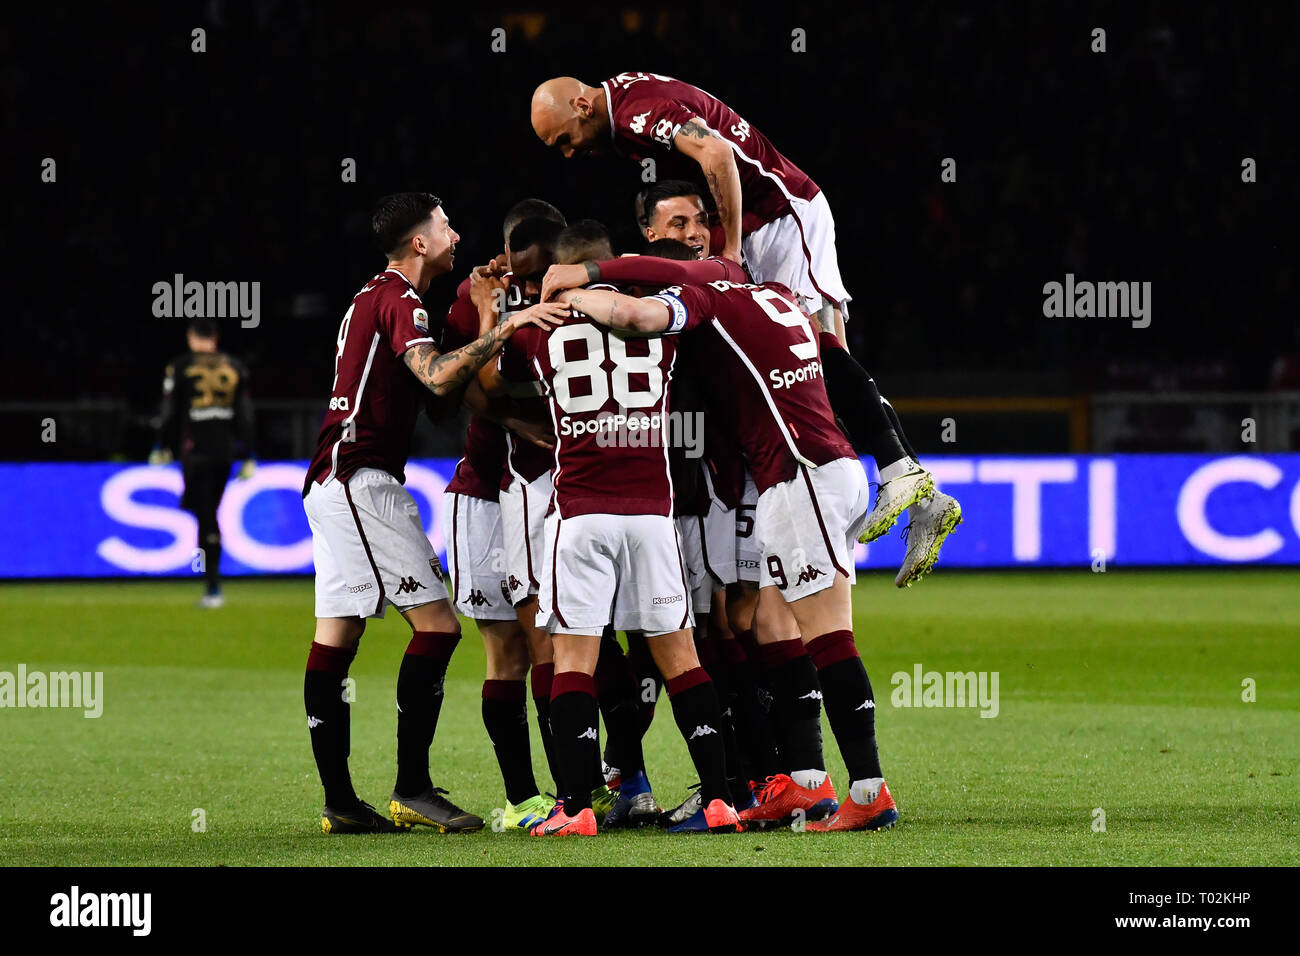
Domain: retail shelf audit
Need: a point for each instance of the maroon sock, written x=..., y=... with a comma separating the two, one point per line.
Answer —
x=542, y=677
x=796, y=704
x=505, y=716
x=850, y=703
x=329, y=721
x=419, y=702
x=574, y=722
x=699, y=718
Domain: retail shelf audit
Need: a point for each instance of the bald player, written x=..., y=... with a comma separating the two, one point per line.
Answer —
x=773, y=213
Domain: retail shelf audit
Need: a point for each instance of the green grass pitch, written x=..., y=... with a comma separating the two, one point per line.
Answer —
x=1120, y=691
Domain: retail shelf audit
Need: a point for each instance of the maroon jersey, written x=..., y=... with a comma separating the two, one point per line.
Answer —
x=609, y=405
x=755, y=355
x=375, y=399
x=646, y=111
x=524, y=460
x=478, y=474
x=724, y=469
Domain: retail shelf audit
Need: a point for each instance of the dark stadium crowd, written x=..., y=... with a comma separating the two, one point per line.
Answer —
x=227, y=165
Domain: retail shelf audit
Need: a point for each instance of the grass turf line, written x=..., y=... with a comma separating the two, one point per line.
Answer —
x=1120, y=691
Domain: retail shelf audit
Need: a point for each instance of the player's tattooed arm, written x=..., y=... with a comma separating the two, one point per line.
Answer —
x=443, y=373
x=623, y=313
x=718, y=164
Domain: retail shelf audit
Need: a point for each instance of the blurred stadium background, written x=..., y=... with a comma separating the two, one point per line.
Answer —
x=1121, y=166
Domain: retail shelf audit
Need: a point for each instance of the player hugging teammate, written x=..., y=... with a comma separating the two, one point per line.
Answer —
x=731, y=575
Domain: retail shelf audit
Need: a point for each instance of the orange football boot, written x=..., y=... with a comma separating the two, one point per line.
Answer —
x=781, y=797
x=880, y=814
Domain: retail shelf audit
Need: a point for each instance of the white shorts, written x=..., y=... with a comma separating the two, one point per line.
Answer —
x=747, y=553
x=369, y=547
x=798, y=250
x=523, y=525
x=476, y=558
x=807, y=526
x=698, y=578
x=621, y=569
x=719, y=532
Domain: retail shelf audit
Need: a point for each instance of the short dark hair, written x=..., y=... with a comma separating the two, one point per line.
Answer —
x=639, y=207
x=396, y=218
x=203, y=328
x=533, y=232
x=667, y=189
x=585, y=239
x=529, y=209
x=670, y=249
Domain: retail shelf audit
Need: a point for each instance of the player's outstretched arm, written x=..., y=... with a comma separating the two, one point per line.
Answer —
x=718, y=164
x=618, y=311
x=444, y=373
x=639, y=270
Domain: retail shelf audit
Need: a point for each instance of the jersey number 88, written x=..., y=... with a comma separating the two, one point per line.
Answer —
x=616, y=383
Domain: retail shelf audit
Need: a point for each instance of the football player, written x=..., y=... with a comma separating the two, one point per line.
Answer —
x=613, y=555
x=761, y=357
x=206, y=414
x=773, y=213
x=368, y=542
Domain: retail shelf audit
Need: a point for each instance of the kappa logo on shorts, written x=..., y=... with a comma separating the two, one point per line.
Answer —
x=515, y=583
x=476, y=598
x=746, y=563
x=702, y=730
x=436, y=568
x=357, y=589
x=809, y=574
x=670, y=599
x=588, y=734
x=409, y=585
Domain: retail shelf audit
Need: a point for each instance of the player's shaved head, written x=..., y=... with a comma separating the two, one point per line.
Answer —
x=585, y=239
x=570, y=116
